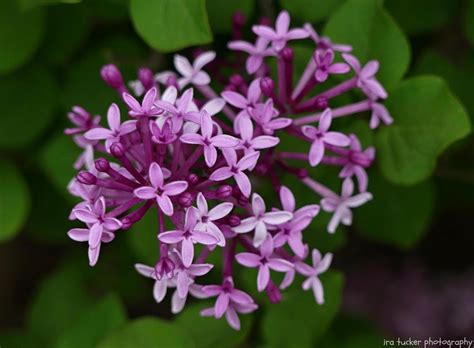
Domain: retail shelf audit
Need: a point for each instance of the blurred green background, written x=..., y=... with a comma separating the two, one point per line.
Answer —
x=405, y=269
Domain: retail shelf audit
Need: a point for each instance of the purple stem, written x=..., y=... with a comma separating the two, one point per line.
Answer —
x=305, y=77
x=229, y=253
x=281, y=79
x=320, y=189
x=146, y=138
x=124, y=207
x=331, y=93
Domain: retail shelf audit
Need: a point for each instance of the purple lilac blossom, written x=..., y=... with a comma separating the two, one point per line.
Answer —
x=198, y=154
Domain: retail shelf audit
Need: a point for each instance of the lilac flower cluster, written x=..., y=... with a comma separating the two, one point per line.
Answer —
x=190, y=153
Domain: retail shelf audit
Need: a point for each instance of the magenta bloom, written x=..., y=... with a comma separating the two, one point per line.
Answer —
x=188, y=235
x=265, y=261
x=366, y=80
x=261, y=219
x=198, y=162
x=281, y=34
x=235, y=170
x=320, y=136
x=256, y=52
x=320, y=265
x=100, y=228
x=209, y=142
x=160, y=191
x=341, y=206
x=325, y=65
x=116, y=130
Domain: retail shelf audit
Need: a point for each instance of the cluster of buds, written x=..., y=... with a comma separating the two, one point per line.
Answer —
x=191, y=153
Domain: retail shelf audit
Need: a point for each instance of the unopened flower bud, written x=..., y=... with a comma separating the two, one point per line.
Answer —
x=224, y=191
x=233, y=220
x=117, y=150
x=127, y=222
x=287, y=54
x=322, y=103
x=273, y=293
x=185, y=199
x=192, y=179
x=238, y=19
x=112, y=76
x=302, y=173
x=268, y=86
x=236, y=80
x=102, y=165
x=145, y=76
x=86, y=178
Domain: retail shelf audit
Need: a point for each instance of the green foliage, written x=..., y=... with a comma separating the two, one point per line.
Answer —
x=60, y=299
x=209, y=332
x=469, y=22
x=412, y=15
x=428, y=118
x=94, y=324
x=28, y=4
x=380, y=218
x=220, y=13
x=298, y=321
x=310, y=10
x=28, y=102
x=148, y=333
x=170, y=25
x=14, y=200
x=373, y=34
x=20, y=35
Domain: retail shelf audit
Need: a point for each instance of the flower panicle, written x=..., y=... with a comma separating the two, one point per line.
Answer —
x=192, y=154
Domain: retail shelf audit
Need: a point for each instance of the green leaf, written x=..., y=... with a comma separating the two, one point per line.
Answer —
x=18, y=338
x=56, y=160
x=14, y=200
x=148, y=332
x=28, y=101
x=84, y=85
x=310, y=10
x=220, y=13
x=20, y=35
x=298, y=321
x=469, y=22
x=29, y=4
x=373, y=34
x=94, y=324
x=428, y=118
x=397, y=215
x=210, y=332
x=67, y=28
x=170, y=25
x=58, y=302
x=413, y=19
x=142, y=238
x=458, y=77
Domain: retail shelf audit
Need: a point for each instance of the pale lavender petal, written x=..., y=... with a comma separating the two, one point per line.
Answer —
x=352, y=61
x=145, y=270
x=230, y=156
x=240, y=297
x=187, y=252
x=171, y=237
x=362, y=178
x=112, y=224
x=295, y=34
x=260, y=233
x=214, y=106
x=336, y=138
x=165, y=204
x=318, y=291
x=131, y=102
x=182, y=284
x=159, y=290
x=263, y=277
x=182, y=65
x=177, y=303
x=358, y=200
x=248, y=161
x=287, y=279
x=376, y=88
x=370, y=69
x=220, y=210
x=243, y=182
x=279, y=265
x=204, y=238
x=192, y=139
x=232, y=318
x=258, y=205
x=221, y=174
x=339, y=68
x=79, y=234
x=155, y=175
x=277, y=217
x=93, y=254
x=324, y=264
x=145, y=192
x=296, y=246
x=107, y=237
x=222, y=303
x=207, y=312
x=253, y=63
x=265, y=32
x=235, y=99
x=175, y=188
x=98, y=134
x=224, y=140
x=347, y=188
x=85, y=216
x=266, y=249
x=325, y=121
x=202, y=204
x=316, y=152
x=279, y=123
x=287, y=199
x=264, y=142
x=201, y=78
x=241, y=46
x=128, y=127
x=245, y=126
x=246, y=225
x=248, y=259
x=321, y=75
x=282, y=23
x=203, y=59
x=149, y=98
x=198, y=270
x=310, y=131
